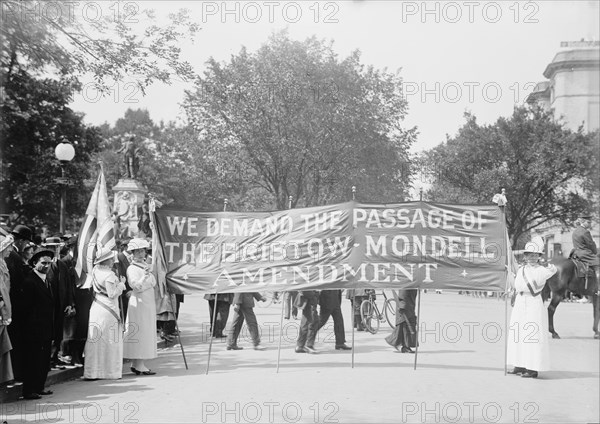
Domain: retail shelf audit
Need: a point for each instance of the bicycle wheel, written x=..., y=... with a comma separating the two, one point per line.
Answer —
x=269, y=296
x=390, y=307
x=369, y=317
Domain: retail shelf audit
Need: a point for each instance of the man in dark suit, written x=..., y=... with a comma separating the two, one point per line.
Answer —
x=62, y=282
x=223, y=303
x=307, y=301
x=243, y=309
x=39, y=325
x=18, y=268
x=123, y=262
x=584, y=246
x=330, y=302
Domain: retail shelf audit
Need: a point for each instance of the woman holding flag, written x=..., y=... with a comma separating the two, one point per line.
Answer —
x=104, y=346
x=140, y=326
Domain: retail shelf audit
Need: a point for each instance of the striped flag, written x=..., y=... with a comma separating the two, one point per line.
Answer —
x=96, y=232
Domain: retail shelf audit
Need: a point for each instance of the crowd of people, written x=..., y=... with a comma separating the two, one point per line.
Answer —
x=50, y=318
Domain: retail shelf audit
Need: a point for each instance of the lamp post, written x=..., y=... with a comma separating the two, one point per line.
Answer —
x=64, y=153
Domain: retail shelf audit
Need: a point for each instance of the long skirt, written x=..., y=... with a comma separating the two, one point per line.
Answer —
x=104, y=346
x=403, y=335
x=140, y=326
x=528, y=334
x=6, y=372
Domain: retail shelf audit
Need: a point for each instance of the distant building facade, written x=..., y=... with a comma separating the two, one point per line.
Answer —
x=572, y=91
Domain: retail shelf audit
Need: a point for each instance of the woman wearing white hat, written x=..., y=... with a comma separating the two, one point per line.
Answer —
x=528, y=331
x=104, y=346
x=140, y=325
x=6, y=373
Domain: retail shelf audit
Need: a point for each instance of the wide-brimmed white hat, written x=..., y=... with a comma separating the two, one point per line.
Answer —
x=104, y=254
x=137, y=243
x=533, y=247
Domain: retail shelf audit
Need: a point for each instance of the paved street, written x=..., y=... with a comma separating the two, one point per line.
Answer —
x=459, y=377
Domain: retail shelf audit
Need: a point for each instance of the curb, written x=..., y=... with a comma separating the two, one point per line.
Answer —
x=11, y=393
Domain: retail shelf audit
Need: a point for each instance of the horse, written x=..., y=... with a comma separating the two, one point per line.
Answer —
x=566, y=278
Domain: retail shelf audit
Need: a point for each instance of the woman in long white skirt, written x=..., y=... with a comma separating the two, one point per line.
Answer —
x=140, y=326
x=104, y=346
x=528, y=332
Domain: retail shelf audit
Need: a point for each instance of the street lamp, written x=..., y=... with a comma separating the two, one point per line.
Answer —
x=64, y=153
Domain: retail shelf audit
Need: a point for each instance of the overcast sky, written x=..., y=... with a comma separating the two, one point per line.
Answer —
x=484, y=57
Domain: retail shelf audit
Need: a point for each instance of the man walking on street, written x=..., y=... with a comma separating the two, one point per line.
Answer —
x=243, y=309
x=330, y=302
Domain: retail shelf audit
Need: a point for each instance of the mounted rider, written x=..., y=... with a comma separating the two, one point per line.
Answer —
x=584, y=247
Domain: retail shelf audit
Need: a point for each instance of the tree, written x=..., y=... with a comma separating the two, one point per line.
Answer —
x=71, y=38
x=35, y=119
x=294, y=120
x=550, y=172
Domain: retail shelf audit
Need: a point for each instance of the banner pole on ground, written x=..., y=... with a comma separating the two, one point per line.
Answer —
x=353, y=303
x=283, y=300
x=417, y=329
x=177, y=330
x=214, y=315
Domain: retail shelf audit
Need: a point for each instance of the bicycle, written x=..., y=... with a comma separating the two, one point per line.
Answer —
x=371, y=316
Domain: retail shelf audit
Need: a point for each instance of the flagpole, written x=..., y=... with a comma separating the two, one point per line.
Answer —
x=417, y=329
x=214, y=317
x=284, y=297
x=353, y=304
x=506, y=241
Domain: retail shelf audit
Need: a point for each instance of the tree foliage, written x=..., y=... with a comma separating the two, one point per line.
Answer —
x=550, y=172
x=292, y=119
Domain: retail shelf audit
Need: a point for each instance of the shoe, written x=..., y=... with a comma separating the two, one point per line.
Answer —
x=517, y=371
x=530, y=374
x=597, y=336
x=136, y=372
x=236, y=347
x=406, y=350
x=360, y=329
x=259, y=347
x=342, y=347
x=300, y=349
x=31, y=396
x=149, y=372
x=46, y=392
x=310, y=349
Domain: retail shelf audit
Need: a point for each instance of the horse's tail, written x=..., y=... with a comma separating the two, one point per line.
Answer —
x=546, y=292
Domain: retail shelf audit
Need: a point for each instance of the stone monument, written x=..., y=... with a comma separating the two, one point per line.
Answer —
x=129, y=192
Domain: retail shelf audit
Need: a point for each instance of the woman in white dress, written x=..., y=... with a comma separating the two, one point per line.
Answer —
x=140, y=325
x=528, y=332
x=104, y=346
x=6, y=373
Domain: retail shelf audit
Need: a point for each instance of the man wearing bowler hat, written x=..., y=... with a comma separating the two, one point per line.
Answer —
x=39, y=325
x=18, y=267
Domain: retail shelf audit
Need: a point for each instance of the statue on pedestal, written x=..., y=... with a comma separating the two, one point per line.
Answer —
x=131, y=158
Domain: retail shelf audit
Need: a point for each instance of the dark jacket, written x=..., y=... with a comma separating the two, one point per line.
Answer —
x=246, y=299
x=406, y=304
x=584, y=246
x=39, y=304
x=17, y=270
x=121, y=268
x=311, y=297
x=222, y=297
x=330, y=299
x=63, y=279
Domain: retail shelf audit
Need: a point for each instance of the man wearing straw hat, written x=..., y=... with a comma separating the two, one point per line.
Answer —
x=528, y=331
